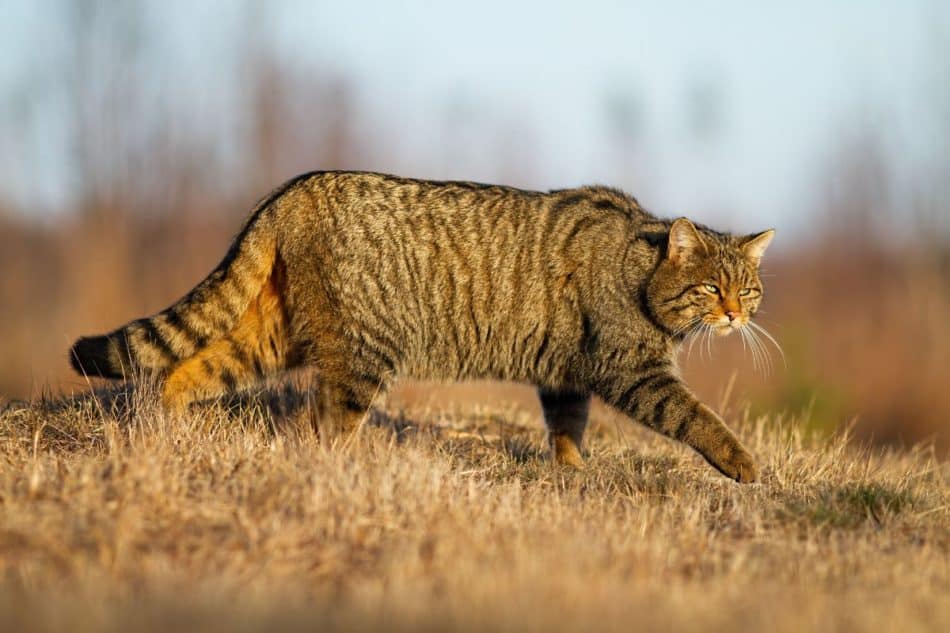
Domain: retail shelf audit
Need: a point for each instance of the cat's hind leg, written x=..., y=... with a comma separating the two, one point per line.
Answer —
x=565, y=414
x=258, y=346
x=344, y=400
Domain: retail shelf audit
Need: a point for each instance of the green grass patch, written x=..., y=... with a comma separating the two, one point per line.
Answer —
x=851, y=506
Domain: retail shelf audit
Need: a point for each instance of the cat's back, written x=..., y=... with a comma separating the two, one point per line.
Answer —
x=399, y=229
x=365, y=211
x=360, y=208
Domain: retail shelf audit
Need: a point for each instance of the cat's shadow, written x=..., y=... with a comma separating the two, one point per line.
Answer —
x=277, y=409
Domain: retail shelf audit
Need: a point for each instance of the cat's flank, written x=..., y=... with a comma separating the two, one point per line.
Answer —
x=368, y=277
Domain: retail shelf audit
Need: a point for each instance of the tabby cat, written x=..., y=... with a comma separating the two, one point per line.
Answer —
x=368, y=277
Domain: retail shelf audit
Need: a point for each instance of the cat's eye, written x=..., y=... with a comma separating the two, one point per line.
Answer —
x=711, y=288
x=745, y=292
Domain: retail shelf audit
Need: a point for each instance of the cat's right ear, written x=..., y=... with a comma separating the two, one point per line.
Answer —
x=684, y=241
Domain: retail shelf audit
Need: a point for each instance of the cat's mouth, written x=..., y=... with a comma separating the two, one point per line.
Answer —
x=723, y=326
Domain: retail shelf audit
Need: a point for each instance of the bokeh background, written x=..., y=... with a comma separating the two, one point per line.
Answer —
x=134, y=137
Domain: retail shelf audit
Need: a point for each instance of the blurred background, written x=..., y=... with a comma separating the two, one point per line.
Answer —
x=135, y=136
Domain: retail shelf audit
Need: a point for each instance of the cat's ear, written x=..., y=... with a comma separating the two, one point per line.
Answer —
x=684, y=241
x=754, y=246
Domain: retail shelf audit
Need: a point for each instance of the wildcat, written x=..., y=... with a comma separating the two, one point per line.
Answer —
x=368, y=277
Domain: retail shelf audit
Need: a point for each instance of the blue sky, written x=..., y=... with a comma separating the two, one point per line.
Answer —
x=786, y=83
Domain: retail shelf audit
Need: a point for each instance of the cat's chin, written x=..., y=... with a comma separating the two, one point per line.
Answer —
x=724, y=330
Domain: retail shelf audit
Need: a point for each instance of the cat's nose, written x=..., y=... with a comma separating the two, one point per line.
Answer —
x=732, y=316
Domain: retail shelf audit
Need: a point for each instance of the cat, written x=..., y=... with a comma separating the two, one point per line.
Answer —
x=368, y=277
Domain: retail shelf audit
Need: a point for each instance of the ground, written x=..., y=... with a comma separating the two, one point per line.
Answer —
x=242, y=516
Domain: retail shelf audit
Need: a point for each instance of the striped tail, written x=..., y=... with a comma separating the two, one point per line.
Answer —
x=204, y=315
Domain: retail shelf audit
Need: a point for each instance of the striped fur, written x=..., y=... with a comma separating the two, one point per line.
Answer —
x=368, y=277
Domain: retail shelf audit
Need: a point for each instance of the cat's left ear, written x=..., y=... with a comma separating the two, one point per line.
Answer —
x=754, y=246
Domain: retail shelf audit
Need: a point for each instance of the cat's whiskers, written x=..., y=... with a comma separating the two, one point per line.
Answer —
x=691, y=338
x=761, y=358
x=756, y=328
x=698, y=334
x=698, y=329
x=745, y=347
x=692, y=332
x=686, y=326
x=766, y=355
x=702, y=330
x=753, y=349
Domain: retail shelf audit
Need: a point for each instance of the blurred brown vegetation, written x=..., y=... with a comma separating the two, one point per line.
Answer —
x=862, y=315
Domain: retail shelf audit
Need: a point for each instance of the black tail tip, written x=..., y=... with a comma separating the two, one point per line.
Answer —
x=89, y=356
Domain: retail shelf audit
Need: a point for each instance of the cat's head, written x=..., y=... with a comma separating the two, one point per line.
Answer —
x=707, y=279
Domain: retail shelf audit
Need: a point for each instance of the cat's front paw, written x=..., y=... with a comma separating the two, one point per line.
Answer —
x=566, y=451
x=739, y=466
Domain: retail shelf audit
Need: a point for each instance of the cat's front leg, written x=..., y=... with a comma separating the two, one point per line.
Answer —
x=708, y=434
x=661, y=401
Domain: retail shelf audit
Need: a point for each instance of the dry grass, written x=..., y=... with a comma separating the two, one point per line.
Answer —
x=116, y=517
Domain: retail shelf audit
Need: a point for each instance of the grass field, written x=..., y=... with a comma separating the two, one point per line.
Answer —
x=259, y=517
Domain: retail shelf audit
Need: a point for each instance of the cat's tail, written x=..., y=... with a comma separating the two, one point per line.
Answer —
x=204, y=315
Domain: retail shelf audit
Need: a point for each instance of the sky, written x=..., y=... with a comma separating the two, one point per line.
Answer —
x=725, y=111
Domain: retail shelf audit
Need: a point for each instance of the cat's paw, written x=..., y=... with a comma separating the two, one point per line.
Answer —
x=739, y=466
x=566, y=452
